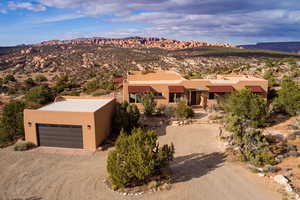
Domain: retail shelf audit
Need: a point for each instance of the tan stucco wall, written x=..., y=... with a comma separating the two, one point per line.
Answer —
x=199, y=84
x=99, y=122
x=103, y=122
x=163, y=88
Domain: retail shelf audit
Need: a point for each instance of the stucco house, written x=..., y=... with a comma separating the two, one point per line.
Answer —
x=70, y=122
x=169, y=87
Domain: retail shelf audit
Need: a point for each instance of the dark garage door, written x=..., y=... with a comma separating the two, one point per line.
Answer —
x=67, y=136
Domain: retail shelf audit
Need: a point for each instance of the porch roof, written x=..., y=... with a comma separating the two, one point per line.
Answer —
x=220, y=88
x=139, y=89
x=176, y=89
x=255, y=88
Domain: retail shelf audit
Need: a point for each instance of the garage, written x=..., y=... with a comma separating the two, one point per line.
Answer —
x=54, y=135
x=70, y=122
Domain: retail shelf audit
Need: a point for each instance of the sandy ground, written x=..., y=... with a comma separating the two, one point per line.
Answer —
x=200, y=168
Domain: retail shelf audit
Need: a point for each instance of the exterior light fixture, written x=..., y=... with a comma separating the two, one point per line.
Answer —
x=89, y=126
x=29, y=124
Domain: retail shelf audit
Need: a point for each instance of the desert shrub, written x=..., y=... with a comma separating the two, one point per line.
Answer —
x=137, y=158
x=23, y=146
x=184, y=111
x=39, y=95
x=288, y=97
x=12, y=121
x=74, y=93
x=9, y=78
x=106, y=85
x=29, y=83
x=160, y=109
x=40, y=78
x=100, y=93
x=91, y=86
x=149, y=103
x=126, y=117
x=247, y=106
x=169, y=111
x=63, y=82
x=253, y=146
x=269, y=75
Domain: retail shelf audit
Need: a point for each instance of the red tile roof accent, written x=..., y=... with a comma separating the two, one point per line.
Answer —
x=255, y=88
x=176, y=89
x=118, y=79
x=139, y=89
x=220, y=88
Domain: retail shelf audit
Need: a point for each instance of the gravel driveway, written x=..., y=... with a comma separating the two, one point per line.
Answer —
x=200, y=168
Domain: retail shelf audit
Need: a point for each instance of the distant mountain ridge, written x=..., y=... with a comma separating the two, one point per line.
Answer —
x=135, y=42
x=291, y=47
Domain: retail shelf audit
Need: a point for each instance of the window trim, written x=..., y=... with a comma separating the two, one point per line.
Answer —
x=176, y=98
x=135, y=97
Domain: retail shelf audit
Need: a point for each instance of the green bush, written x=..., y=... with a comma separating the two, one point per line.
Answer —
x=9, y=78
x=29, y=83
x=169, y=111
x=40, y=78
x=137, y=158
x=12, y=121
x=247, y=106
x=288, y=97
x=149, y=103
x=91, y=86
x=127, y=117
x=183, y=111
x=39, y=95
x=63, y=82
x=253, y=146
x=23, y=146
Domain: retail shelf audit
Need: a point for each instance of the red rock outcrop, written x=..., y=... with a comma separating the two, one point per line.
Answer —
x=136, y=42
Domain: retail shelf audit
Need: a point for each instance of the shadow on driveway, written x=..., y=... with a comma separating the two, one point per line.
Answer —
x=196, y=165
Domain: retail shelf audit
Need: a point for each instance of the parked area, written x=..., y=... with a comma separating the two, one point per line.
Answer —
x=200, y=168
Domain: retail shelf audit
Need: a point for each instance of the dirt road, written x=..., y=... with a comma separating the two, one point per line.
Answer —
x=200, y=168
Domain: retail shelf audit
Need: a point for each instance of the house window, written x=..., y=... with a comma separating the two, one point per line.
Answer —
x=211, y=95
x=135, y=97
x=158, y=95
x=175, y=97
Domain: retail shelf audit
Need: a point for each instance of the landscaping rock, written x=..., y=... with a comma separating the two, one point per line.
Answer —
x=289, y=175
x=286, y=169
x=270, y=168
x=281, y=179
x=261, y=174
x=152, y=184
x=297, y=132
x=166, y=186
x=288, y=188
x=291, y=147
x=280, y=157
x=293, y=154
x=291, y=136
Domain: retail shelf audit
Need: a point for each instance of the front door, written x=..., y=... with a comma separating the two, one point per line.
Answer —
x=193, y=97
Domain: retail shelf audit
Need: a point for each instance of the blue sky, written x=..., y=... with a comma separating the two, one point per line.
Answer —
x=215, y=21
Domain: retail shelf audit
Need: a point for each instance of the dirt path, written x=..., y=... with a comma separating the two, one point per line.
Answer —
x=200, y=168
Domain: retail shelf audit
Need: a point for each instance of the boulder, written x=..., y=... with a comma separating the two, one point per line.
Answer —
x=293, y=154
x=291, y=136
x=152, y=184
x=281, y=179
x=261, y=174
x=291, y=147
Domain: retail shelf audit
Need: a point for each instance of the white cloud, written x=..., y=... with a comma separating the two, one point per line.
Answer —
x=3, y=11
x=195, y=18
x=59, y=18
x=25, y=5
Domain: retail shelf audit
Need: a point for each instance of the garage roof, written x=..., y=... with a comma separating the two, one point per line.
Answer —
x=77, y=105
